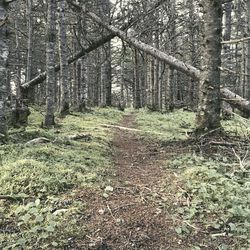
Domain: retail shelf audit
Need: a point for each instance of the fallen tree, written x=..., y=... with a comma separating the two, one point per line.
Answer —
x=236, y=101
x=42, y=76
x=233, y=99
x=84, y=51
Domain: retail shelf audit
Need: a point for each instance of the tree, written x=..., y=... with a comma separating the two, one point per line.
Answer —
x=63, y=53
x=4, y=53
x=213, y=20
x=208, y=116
x=50, y=63
x=106, y=77
x=248, y=52
x=30, y=94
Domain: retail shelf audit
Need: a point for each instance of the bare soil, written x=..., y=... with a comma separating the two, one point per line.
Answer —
x=138, y=212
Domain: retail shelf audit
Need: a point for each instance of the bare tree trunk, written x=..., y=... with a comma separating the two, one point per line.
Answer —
x=137, y=88
x=156, y=73
x=18, y=60
x=122, y=99
x=106, y=78
x=236, y=101
x=30, y=40
x=248, y=53
x=4, y=53
x=208, y=116
x=83, y=86
x=50, y=63
x=152, y=82
x=63, y=52
x=192, y=96
x=29, y=94
x=171, y=89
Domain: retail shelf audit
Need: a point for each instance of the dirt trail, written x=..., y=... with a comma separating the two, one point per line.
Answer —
x=134, y=215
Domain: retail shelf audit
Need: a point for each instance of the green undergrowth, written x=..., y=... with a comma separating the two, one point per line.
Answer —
x=165, y=126
x=215, y=198
x=176, y=125
x=49, y=173
x=214, y=190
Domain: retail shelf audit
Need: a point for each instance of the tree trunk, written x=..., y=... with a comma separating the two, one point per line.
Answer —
x=63, y=52
x=50, y=63
x=4, y=53
x=248, y=53
x=208, y=116
x=171, y=89
x=29, y=94
x=137, y=88
x=18, y=59
x=106, y=78
x=192, y=96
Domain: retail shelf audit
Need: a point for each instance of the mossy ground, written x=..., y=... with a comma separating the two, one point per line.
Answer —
x=212, y=194
x=49, y=173
x=176, y=125
x=209, y=193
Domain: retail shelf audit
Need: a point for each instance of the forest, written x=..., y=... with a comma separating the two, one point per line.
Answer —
x=124, y=124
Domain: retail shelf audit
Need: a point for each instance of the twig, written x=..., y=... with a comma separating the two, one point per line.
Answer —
x=240, y=161
x=9, y=197
x=232, y=72
x=222, y=143
x=209, y=132
x=110, y=211
x=218, y=234
x=240, y=40
x=186, y=222
x=124, y=206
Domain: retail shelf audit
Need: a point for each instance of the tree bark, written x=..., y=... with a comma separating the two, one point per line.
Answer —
x=248, y=53
x=50, y=63
x=63, y=52
x=208, y=116
x=29, y=94
x=4, y=53
x=137, y=87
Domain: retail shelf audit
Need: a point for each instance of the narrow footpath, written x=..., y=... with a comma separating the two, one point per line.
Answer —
x=137, y=212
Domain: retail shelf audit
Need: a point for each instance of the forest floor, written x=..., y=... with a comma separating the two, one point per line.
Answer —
x=125, y=180
x=132, y=215
x=139, y=210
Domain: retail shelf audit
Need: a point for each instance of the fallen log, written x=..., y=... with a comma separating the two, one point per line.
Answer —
x=230, y=97
x=236, y=101
x=39, y=140
x=84, y=51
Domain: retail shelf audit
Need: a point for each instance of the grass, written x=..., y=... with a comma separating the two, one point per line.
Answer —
x=165, y=127
x=47, y=173
x=176, y=125
x=214, y=191
x=213, y=195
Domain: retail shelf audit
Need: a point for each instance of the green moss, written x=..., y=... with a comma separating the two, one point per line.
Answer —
x=238, y=126
x=175, y=125
x=168, y=126
x=218, y=194
x=52, y=171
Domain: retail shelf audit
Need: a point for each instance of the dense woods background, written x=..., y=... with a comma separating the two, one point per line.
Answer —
x=85, y=67
x=124, y=124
